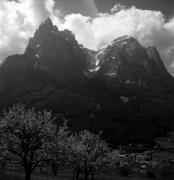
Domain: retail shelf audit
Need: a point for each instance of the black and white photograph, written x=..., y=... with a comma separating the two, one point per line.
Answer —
x=86, y=89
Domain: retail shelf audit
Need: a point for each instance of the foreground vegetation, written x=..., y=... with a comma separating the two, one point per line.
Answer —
x=38, y=142
x=65, y=176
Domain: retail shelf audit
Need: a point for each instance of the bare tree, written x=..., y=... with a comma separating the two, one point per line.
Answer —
x=87, y=153
x=27, y=135
x=58, y=153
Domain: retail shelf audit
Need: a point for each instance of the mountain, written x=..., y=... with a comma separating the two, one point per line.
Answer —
x=57, y=53
x=126, y=61
x=124, y=89
x=49, y=74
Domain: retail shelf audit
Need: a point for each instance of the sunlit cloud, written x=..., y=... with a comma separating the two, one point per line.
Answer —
x=49, y=5
x=117, y=8
x=149, y=27
x=18, y=21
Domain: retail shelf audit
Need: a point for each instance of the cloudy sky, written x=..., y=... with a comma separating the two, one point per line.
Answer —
x=95, y=23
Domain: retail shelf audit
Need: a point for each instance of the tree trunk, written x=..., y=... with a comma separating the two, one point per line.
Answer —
x=41, y=170
x=74, y=174
x=3, y=163
x=77, y=174
x=92, y=175
x=86, y=175
x=27, y=174
x=54, y=167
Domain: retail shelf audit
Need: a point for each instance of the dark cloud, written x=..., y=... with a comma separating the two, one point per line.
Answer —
x=165, y=6
x=84, y=7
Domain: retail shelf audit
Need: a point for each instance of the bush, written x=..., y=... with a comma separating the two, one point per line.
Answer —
x=125, y=171
x=151, y=174
x=167, y=171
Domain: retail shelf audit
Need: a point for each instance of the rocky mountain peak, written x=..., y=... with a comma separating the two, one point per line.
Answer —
x=47, y=22
x=56, y=52
x=129, y=44
x=47, y=26
x=45, y=29
x=156, y=62
x=153, y=53
x=125, y=41
x=126, y=60
x=48, y=35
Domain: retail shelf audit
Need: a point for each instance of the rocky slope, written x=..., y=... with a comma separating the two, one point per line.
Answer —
x=126, y=61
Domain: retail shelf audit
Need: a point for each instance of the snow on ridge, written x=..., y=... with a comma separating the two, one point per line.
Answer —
x=94, y=69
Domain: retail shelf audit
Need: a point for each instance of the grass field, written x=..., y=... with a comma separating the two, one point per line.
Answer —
x=10, y=175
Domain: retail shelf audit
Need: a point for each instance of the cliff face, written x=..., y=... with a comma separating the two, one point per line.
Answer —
x=57, y=53
x=126, y=61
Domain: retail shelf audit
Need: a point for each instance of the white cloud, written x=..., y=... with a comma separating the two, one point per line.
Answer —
x=82, y=28
x=49, y=5
x=149, y=27
x=117, y=8
x=18, y=22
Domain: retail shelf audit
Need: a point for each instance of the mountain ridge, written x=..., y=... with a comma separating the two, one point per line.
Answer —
x=127, y=53
x=121, y=89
